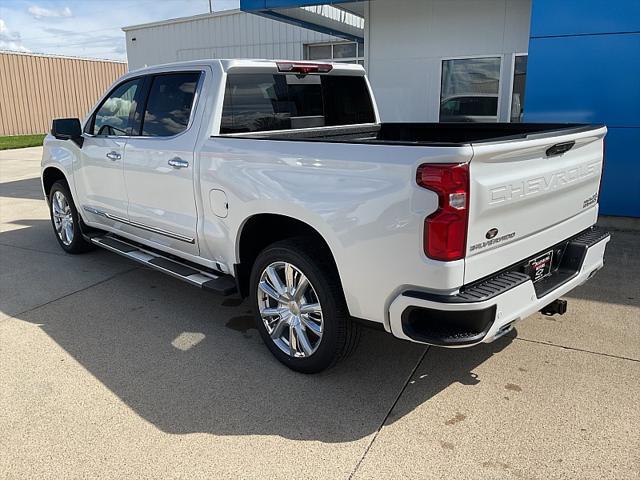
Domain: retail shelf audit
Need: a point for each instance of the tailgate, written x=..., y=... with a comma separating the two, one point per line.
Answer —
x=524, y=194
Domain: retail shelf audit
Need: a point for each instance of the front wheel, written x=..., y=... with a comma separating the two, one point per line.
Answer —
x=66, y=220
x=299, y=306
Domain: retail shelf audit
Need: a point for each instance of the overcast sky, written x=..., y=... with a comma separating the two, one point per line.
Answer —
x=87, y=28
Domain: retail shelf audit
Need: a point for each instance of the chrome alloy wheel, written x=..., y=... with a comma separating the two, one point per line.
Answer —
x=62, y=217
x=290, y=309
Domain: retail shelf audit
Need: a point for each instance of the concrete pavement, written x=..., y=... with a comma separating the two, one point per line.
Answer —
x=110, y=370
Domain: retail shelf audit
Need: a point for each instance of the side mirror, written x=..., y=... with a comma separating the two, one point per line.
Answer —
x=67, y=129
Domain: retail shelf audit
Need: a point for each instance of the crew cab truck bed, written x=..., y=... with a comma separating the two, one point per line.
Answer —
x=436, y=134
x=279, y=176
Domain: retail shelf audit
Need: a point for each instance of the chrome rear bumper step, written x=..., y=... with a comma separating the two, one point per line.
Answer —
x=208, y=280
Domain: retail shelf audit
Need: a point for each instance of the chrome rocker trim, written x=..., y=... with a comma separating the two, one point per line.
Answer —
x=141, y=226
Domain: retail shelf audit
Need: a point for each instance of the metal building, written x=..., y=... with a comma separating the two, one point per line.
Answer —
x=34, y=89
x=233, y=34
x=450, y=60
x=505, y=60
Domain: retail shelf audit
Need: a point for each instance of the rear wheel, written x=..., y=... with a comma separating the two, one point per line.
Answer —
x=299, y=306
x=65, y=219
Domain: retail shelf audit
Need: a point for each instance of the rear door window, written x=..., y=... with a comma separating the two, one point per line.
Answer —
x=257, y=102
x=169, y=104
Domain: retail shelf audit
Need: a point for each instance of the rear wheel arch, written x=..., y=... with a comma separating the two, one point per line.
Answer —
x=263, y=229
x=296, y=295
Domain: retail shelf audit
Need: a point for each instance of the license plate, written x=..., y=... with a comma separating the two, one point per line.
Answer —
x=540, y=267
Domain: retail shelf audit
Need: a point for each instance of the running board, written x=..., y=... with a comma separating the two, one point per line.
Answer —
x=221, y=284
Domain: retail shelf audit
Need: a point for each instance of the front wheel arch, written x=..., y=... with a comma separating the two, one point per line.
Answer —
x=78, y=243
x=51, y=175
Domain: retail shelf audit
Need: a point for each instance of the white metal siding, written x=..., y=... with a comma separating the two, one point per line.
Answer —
x=407, y=39
x=229, y=35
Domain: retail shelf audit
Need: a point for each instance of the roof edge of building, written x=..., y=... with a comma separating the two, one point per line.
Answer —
x=171, y=21
x=53, y=55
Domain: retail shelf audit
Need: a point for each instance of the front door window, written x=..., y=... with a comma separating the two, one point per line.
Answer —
x=113, y=116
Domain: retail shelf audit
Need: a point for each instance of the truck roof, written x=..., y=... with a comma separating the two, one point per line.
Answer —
x=247, y=64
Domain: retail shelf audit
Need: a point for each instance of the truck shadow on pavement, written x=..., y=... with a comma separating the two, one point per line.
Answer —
x=618, y=282
x=191, y=362
x=28, y=188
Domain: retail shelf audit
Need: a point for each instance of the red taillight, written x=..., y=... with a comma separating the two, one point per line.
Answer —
x=445, y=231
x=304, y=68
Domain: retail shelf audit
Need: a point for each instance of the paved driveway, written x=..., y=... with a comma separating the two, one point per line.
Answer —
x=111, y=370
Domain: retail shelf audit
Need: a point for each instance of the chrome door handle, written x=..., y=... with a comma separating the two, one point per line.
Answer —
x=114, y=156
x=178, y=163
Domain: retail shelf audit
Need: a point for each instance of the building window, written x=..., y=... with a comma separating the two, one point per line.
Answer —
x=345, y=52
x=470, y=89
x=318, y=52
x=517, y=93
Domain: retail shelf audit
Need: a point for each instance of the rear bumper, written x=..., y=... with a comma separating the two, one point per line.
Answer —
x=487, y=309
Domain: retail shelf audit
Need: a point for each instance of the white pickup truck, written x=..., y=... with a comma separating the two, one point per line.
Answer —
x=277, y=180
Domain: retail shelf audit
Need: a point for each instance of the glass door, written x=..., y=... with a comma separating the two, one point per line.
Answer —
x=517, y=92
x=470, y=89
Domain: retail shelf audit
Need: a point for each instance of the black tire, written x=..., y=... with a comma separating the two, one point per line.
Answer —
x=340, y=332
x=78, y=244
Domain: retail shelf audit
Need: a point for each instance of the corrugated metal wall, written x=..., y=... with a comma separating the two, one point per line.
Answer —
x=220, y=35
x=34, y=89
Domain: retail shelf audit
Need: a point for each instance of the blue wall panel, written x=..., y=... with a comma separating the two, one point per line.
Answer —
x=272, y=9
x=579, y=72
x=592, y=79
x=252, y=5
x=621, y=181
x=575, y=17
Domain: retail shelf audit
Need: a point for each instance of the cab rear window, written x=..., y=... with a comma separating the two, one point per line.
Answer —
x=258, y=102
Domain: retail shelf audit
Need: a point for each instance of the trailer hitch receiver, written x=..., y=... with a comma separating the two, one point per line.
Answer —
x=557, y=307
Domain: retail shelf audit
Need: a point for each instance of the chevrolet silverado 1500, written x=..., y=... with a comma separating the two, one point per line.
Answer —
x=277, y=181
